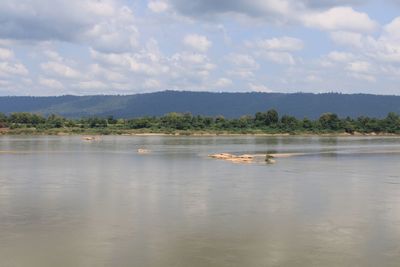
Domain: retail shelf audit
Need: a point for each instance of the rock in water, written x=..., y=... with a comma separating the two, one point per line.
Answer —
x=143, y=151
x=269, y=159
x=233, y=158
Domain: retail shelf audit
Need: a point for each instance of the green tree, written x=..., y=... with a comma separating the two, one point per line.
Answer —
x=391, y=123
x=3, y=120
x=307, y=124
x=175, y=120
x=54, y=121
x=330, y=121
x=349, y=125
x=271, y=117
x=140, y=123
x=111, y=120
x=362, y=124
x=289, y=123
x=96, y=122
x=26, y=118
x=221, y=122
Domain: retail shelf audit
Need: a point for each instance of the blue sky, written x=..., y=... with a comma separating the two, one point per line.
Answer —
x=57, y=47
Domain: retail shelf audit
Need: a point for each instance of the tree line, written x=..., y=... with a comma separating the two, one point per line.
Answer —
x=267, y=122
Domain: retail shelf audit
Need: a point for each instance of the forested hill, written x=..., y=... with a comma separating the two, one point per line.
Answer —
x=205, y=103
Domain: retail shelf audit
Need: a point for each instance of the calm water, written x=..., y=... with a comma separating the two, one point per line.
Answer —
x=66, y=202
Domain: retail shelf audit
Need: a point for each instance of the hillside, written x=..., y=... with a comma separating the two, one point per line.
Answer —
x=205, y=103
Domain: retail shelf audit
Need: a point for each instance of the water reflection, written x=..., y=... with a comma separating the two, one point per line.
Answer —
x=73, y=203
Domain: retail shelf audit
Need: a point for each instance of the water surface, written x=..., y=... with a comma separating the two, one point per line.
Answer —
x=67, y=202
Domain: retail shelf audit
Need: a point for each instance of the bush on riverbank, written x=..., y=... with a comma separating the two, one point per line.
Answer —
x=186, y=124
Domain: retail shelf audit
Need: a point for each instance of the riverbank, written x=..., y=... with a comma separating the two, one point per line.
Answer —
x=146, y=132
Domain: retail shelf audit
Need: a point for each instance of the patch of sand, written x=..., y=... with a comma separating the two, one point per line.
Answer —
x=143, y=151
x=245, y=158
x=91, y=138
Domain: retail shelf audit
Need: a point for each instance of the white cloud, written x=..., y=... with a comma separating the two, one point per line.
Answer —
x=14, y=75
x=96, y=70
x=243, y=74
x=359, y=66
x=152, y=84
x=51, y=83
x=53, y=55
x=223, y=83
x=258, y=87
x=276, y=49
x=384, y=48
x=192, y=58
x=388, y=44
x=150, y=69
x=269, y=9
x=361, y=70
x=92, y=85
x=362, y=76
x=369, y=57
x=5, y=83
x=9, y=68
x=197, y=42
x=337, y=56
x=347, y=38
x=279, y=57
x=105, y=25
x=112, y=46
x=278, y=44
x=140, y=63
x=141, y=67
x=321, y=14
x=243, y=61
x=49, y=19
x=313, y=78
x=6, y=54
x=120, y=59
x=60, y=70
x=340, y=19
x=190, y=68
x=158, y=6
x=117, y=34
x=392, y=30
x=244, y=66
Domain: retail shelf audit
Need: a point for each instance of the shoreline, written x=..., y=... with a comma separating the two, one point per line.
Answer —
x=56, y=132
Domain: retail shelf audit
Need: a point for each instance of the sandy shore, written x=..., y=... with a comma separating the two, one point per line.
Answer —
x=195, y=134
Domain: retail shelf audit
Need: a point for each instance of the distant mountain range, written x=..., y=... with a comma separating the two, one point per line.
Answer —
x=205, y=103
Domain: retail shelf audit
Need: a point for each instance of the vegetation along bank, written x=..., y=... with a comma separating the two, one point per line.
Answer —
x=269, y=122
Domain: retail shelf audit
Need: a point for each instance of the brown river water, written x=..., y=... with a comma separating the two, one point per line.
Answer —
x=69, y=202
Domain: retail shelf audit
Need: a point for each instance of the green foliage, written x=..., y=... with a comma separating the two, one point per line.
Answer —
x=268, y=118
x=95, y=122
x=307, y=124
x=289, y=124
x=140, y=123
x=177, y=121
x=392, y=123
x=111, y=120
x=330, y=121
x=186, y=123
x=3, y=120
x=55, y=121
x=26, y=118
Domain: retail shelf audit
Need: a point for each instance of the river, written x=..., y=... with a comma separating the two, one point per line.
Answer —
x=69, y=202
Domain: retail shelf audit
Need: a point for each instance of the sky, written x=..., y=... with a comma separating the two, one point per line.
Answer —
x=86, y=47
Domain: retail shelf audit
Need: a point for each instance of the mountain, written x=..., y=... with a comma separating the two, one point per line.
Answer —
x=204, y=103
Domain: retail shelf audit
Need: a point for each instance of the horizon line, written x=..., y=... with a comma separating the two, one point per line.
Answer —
x=210, y=92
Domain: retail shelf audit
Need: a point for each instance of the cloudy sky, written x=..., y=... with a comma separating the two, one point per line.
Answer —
x=56, y=47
